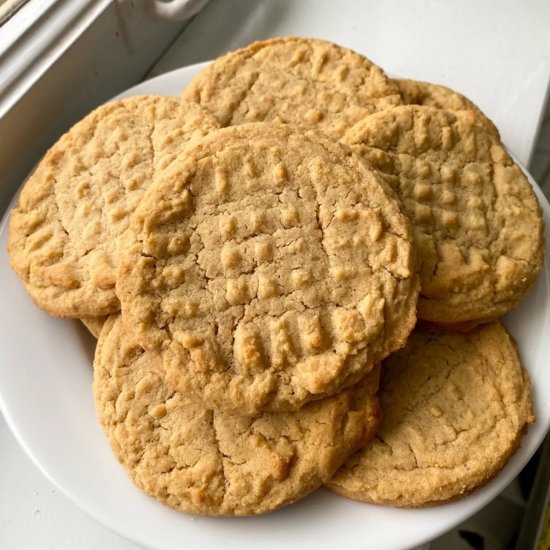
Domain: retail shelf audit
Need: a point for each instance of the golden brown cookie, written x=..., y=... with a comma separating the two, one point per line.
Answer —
x=454, y=409
x=293, y=80
x=207, y=462
x=94, y=325
x=64, y=233
x=414, y=92
x=270, y=267
x=478, y=227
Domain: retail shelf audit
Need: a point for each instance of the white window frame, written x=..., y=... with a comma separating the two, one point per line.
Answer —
x=35, y=37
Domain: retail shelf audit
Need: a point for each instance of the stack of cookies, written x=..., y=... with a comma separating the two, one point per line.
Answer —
x=254, y=258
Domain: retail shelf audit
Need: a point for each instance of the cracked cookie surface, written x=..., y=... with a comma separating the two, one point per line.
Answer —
x=454, y=409
x=63, y=239
x=293, y=80
x=207, y=462
x=270, y=267
x=477, y=224
x=414, y=92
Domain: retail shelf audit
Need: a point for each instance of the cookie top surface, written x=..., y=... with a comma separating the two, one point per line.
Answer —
x=477, y=224
x=414, y=92
x=207, y=462
x=454, y=408
x=270, y=266
x=72, y=209
x=293, y=80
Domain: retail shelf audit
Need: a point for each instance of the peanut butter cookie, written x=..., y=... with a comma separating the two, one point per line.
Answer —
x=477, y=224
x=455, y=407
x=64, y=233
x=270, y=267
x=207, y=462
x=414, y=92
x=293, y=80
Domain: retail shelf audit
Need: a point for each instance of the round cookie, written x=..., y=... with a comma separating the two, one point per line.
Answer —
x=64, y=233
x=271, y=268
x=293, y=80
x=414, y=92
x=455, y=407
x=94, y=325
x=478, y=227
x=206, y=462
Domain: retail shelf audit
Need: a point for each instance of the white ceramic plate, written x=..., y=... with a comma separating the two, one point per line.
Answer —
x=46, y=398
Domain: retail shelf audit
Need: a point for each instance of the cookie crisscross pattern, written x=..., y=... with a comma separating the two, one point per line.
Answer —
x=476, y=221
x=414, y=92
x=208, y=462
x=455, y=407
x=64, y=232
x=293, y=80
x=270, y=264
